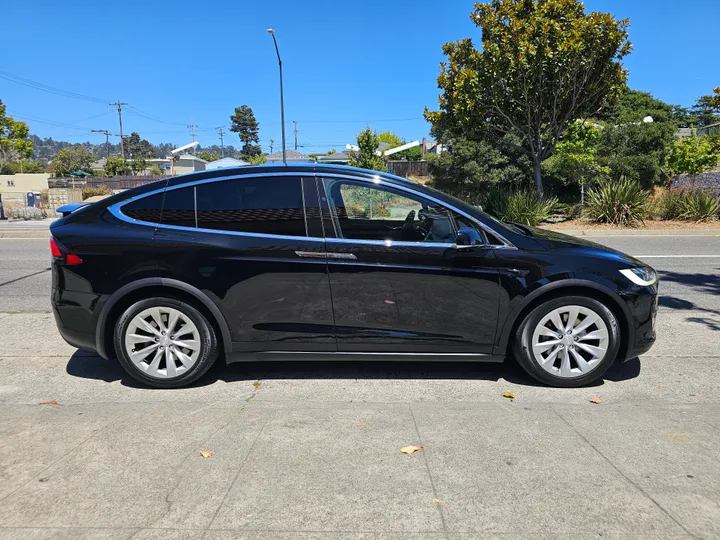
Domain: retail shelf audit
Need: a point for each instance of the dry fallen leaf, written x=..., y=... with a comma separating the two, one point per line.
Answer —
x=437, y=501
x=206, y=454
x=361, y=425
x=509, y=395
x=410, y=449
x=389, y=302
x=53, y=402
x=595, y=400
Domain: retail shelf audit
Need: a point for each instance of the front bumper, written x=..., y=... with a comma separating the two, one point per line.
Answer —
x=644, y=309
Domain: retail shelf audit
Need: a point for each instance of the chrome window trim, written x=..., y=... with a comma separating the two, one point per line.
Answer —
x=115, y=210
x=378, y=180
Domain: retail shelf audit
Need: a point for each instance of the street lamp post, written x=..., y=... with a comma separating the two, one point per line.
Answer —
x=282, y=104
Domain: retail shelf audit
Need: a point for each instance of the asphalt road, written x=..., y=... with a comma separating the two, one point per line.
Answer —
x=311, y=450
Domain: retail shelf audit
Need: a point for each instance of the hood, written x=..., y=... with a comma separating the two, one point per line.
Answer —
x=555, y=241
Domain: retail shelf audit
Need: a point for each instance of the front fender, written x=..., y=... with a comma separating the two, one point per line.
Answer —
x=549, y=286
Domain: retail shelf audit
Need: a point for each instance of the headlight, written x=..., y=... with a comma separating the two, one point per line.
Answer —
x=640, y=275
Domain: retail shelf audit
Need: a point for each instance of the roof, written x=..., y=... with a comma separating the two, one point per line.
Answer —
x=99, y=164
x=226, y=162
x=337, y=156
x=190, y=157
x=291, y=155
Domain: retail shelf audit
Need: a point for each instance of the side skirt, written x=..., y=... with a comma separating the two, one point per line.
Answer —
x=312, y=356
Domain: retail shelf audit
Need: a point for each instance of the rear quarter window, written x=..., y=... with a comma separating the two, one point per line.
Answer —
x=145, y=209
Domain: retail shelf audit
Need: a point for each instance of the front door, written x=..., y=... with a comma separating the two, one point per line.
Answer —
x=250, y=245
x=398, y=281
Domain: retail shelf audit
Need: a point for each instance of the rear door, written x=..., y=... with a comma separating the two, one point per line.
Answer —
x=398, y=281
x=252, y=245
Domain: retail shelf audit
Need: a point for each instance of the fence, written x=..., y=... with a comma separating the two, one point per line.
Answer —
x=113, y=182
x=408, y=168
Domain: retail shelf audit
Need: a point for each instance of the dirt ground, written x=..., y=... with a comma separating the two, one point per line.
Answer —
x=579, y=224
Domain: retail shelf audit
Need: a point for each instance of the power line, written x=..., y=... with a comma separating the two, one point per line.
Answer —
x=47, y=88
x=148, y=116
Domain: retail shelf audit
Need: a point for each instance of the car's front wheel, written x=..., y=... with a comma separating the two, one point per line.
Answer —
x=568, y=342
x=164, y=342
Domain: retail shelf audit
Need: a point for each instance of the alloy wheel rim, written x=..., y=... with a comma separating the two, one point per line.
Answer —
x=570, y=341
x=162, y=342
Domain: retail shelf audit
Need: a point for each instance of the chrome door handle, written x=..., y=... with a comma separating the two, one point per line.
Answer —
x=324, y=255
x=333, y=255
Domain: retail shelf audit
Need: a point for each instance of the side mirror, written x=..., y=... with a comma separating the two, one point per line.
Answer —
x=468, y=238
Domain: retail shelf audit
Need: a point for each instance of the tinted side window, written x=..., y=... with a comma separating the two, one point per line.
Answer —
x=179, y=207
x=258, y=205
x=145, y=209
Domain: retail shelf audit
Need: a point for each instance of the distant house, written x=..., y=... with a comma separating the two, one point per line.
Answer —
x=98, y=165
x=186, y=163
x=225, y=162
x=291, y=156
x=336, y=158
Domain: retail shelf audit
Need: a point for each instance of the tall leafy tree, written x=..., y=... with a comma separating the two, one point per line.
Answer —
x=14, y=143
x=543, y=64
x=365, y=157
x=72, y=159
x=137, y=148
x=247, y=128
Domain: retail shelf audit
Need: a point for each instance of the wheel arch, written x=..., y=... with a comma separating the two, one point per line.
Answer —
x=566, y=288
x=128, y=294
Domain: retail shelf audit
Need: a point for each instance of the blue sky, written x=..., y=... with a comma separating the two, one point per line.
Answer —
x=346, y=64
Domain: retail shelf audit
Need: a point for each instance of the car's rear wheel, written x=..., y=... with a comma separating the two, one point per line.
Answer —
x=164, y=342
x=568, y=342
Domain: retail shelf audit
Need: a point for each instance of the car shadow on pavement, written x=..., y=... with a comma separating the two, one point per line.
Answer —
x=88, y=366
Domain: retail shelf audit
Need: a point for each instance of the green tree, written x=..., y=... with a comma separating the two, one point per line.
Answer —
x=575, y=157
x=366, y=157
x=542, y=65
x=116, y=166
x=257, y=159
x=74, y=158
x=135, y=147
x=22, y=166
x=693, y=155
x=155, y=170
x=208, y=155
x=391, y=138
x=14, y=143
x=137, y=165
x=247, y=128
x=471, y=167
x=629, y=146
x=707, y=109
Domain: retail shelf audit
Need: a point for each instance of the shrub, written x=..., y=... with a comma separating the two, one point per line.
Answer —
x=26, y=212
x=698, y=206
x=621, y=202
x=92, y=191
x=528, y=209
x=155, y=170
x=517, y=206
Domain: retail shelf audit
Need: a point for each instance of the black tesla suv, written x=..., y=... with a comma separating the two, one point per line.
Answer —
x=306, y=262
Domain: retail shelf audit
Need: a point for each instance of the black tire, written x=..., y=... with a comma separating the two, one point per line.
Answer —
x=522, y=344
x=208, y=343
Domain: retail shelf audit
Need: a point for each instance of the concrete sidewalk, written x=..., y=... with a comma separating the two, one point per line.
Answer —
x=311, y=451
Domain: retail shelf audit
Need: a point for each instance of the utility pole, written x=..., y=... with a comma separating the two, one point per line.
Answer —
x=296, y=132
x=119, y=108
x=282, y=102
x=192, y=127
x=272, y=141
x=107, y=139
x=222, y=145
